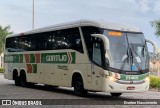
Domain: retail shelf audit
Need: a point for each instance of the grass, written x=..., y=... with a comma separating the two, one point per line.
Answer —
x=155, y=82
x=1, y=70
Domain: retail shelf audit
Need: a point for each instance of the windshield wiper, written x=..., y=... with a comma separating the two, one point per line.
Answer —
x=135, y=61
x=125, y=60
x=145, y=53
x=132, y=60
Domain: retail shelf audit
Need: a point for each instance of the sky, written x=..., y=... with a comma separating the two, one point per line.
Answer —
x=139, y=13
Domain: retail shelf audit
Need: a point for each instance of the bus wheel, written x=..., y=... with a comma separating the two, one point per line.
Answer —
x=17, y=80
x=23, y=80
x=78, y=86
x=29, y=84
x=116, y=94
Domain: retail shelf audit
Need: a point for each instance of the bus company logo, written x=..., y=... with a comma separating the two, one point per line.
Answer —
x=131, y=77
x=6, y=102
x=8, y=58
x=56, y=58
x=63, y=57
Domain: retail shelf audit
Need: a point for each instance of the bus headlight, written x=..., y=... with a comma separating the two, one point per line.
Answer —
x=112, y=78
x=147, y=79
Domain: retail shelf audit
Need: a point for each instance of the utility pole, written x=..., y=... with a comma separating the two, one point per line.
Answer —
x=33, y=16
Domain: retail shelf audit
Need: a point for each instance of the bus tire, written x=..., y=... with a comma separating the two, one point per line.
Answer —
x=116, y=94
x=29, y=84
x=78, y=86
x=23, y=80
x=17, y=80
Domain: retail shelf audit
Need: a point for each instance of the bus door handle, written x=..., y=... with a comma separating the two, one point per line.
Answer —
x=93, y=72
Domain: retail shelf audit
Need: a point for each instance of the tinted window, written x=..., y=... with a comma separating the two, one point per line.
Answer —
x=87, y=31
x=61, y=39
x=11, y=44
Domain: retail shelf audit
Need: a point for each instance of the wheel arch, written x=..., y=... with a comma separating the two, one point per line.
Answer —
x=15, y=73
x=22, y=71
x=76, y=73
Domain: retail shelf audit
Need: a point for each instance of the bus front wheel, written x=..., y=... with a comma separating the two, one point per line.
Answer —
x=116, y=94
x=78, y=86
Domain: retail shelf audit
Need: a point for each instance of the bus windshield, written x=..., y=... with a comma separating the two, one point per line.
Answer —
x=128, y=51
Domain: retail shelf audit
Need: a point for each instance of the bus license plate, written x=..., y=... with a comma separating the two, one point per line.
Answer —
x=130, y=88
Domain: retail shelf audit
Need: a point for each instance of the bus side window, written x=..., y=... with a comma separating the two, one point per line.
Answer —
x=10, y=43
x=75, y=38
x=67, y=39
x=87, y=31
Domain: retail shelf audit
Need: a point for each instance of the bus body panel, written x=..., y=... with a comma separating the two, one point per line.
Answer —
x=57, y=66
x=110, y=86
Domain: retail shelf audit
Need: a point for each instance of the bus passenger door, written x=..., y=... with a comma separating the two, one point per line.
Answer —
x=96, y=66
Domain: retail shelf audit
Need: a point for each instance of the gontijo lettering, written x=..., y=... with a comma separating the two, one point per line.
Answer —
x=61, y=57
x=56, y=58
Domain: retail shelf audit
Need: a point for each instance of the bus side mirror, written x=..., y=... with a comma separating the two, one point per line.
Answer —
x=155, y=49
x=105, y=40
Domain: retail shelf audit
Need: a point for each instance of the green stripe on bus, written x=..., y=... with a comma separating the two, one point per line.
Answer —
x=73, y=57
x=32, y=58
x=130, y=77
x=21, y=58
x=61, y=57
x=34, y=67
x=15, y=58
x=133, y=77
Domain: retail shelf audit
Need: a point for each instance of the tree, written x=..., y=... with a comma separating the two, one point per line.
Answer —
x=156, y=25
x=4, y=31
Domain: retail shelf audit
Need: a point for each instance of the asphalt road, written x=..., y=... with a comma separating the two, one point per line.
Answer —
x=9, y=91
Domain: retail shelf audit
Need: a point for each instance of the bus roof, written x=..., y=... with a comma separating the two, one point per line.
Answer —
x=100, y=24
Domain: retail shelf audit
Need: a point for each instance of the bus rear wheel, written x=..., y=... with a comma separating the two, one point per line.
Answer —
x=116, y=94
x=17, y=80
x=78, y=86
x=23, y=80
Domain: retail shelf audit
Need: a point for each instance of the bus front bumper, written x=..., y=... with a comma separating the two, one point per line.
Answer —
x=115, y=87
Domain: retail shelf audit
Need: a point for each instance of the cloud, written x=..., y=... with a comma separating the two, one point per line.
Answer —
x=143, y=5
x=156, y=7
x=148, y=6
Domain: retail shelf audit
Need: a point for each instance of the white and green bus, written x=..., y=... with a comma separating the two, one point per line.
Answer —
x=87, y=55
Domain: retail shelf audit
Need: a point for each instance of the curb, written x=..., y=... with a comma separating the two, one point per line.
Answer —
x=154, y=89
